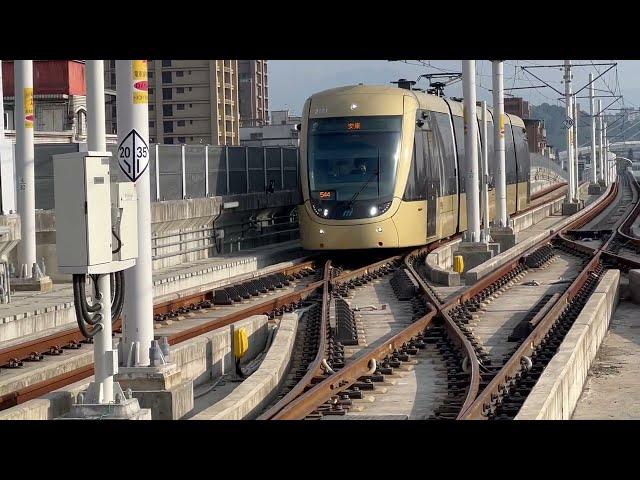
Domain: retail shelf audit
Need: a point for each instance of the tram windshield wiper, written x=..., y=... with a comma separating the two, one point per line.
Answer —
x=376, y=174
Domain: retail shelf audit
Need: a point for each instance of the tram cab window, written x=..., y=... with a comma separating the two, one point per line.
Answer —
x=354, y=156
x=511, y=168
x=442, y=129
x=458, y=126
x=427, y=164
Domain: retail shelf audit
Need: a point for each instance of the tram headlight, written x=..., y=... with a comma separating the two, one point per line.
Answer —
x=383, y=207
x=317, y=208
x=379, y=209
x=325, y=212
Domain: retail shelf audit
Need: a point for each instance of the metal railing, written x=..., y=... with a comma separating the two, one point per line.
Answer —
x=243, y=235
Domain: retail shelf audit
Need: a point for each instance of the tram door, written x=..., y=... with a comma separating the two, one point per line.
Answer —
x=432, y=157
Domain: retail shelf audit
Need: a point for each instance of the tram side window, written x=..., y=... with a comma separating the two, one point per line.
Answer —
x=492, y=153
x=442, y=131
x=510, y=157
x=490, y=149
x=522, y=154
x=458, y=126
x=416, y=181
x=434, y=160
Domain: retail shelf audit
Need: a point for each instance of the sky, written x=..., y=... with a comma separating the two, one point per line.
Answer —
x=292, y=81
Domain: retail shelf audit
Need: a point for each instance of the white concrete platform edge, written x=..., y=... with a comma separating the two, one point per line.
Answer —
x=260, y=387
x=202, y=358
x=555, y=395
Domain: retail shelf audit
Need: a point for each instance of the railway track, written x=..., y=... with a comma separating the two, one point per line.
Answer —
x=414, y=336
x=456, y=370
x=508, y=388
x=260, y=295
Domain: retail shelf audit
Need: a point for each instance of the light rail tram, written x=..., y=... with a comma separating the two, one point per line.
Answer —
x=384, y=167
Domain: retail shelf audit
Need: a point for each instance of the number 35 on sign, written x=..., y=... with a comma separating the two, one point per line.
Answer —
x=133, y=155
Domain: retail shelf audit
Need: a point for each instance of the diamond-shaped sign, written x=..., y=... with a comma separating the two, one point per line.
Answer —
x=568, y=123
x=133, y=155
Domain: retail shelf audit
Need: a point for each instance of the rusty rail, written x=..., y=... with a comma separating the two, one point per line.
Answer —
x=455, y=334
x=347, y=376
x=73, y=335
x=315, y=369
x=344, y=378
x=511, y=368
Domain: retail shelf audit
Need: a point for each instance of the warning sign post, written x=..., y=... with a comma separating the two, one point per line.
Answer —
x=133, y=159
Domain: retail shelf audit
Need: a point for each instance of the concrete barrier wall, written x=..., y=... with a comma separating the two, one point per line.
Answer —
x=209, y=356
x=556, y=393
x=202, y=358
x=26, y=323
x=527, y=219
x=47, y=407
x=256, y=391
x=179, y=221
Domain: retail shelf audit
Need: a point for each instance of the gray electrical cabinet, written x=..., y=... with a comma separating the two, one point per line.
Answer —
x=84, y=238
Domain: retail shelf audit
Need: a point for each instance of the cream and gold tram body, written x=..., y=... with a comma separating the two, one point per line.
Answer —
x=384, y=167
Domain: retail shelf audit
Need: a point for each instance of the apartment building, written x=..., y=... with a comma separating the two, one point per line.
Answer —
x=190, y=101
x=253, y=92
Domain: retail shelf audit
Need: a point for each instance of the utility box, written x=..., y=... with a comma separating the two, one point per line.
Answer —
x=124, y=219
x=84, y=238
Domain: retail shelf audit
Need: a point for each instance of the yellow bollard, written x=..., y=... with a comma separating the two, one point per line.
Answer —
x=240, y=342
x=458, y=264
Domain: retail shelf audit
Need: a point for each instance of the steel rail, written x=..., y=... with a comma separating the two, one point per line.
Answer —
x=513, y=366
x=348, y=375
x=73, y=335
x=315, y=368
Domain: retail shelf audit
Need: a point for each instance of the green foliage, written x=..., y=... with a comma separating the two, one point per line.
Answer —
x=554, y=117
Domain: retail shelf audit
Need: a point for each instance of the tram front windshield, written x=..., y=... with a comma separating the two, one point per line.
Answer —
x=353, y=157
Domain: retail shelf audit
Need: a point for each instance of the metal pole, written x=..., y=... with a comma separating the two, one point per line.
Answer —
x=157, y=172
x=485, y=171
x=600, y=144
x=281, y=169
x=594, y=176
x=5, y=160
x=246, y=166
x=607, y=166
x=226, y=163
x=576, y=169
x=183, y=169
x=132, y=104
x=23, y=119
x=569, y=113
x=498, y=143
x=471, y=149
x=96, y=142
x=96, y=139
x=613, y=164
x=206, y=170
